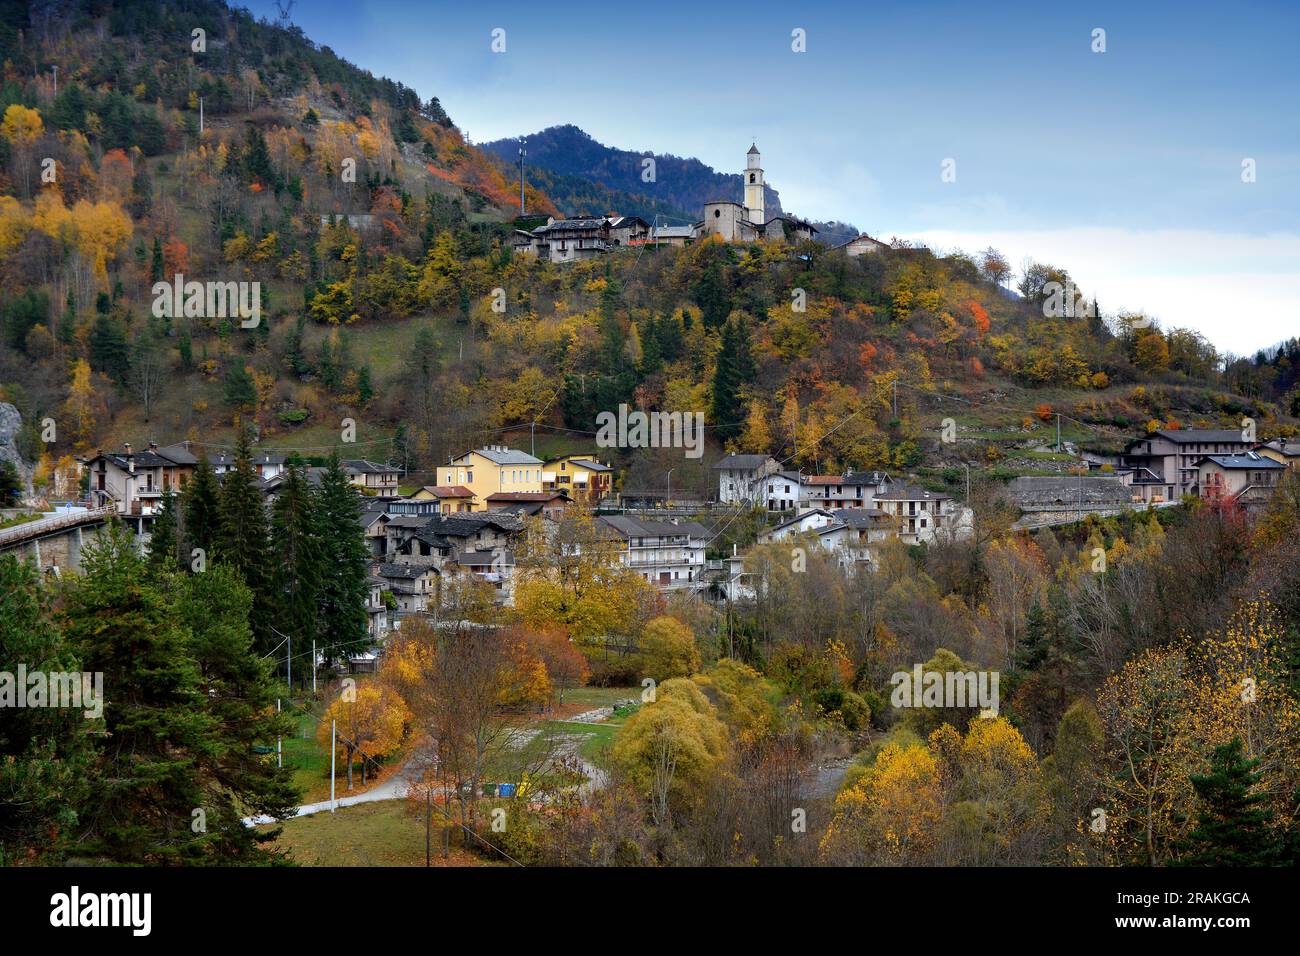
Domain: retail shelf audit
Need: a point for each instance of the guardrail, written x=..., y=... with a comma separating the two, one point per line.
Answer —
x=44, y=526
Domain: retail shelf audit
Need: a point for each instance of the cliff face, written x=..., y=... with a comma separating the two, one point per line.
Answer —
x=10, y=424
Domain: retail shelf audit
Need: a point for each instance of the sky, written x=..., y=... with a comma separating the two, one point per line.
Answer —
x=1124, y=166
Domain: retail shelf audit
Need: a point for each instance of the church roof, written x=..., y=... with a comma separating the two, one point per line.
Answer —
x=753, y=150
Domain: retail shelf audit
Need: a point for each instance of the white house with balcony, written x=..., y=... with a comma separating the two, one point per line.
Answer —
x=668, y=554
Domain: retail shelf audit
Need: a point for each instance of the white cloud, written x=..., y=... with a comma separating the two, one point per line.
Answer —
x=1240, y=291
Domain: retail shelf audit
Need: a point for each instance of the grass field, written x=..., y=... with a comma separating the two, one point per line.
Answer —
x=385, y=833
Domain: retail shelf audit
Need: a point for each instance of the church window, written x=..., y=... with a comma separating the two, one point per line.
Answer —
x=717, y=214
x=751, y=177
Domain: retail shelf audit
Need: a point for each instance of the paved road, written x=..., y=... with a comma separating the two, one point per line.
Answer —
x=394, y=788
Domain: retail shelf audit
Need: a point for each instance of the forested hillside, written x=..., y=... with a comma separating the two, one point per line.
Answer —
x=387, y=317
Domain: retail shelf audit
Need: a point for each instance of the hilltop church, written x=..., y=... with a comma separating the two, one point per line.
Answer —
x=566, y=240
x=748, y=222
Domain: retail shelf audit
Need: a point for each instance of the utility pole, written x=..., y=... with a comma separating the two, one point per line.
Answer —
x=200, y=116
x=56, y=79
x=333, y=751
x=523, y=151
x=313, y=668
x=279, y=751
x=289, y=661
x=670, y=486
x=532, y=438
x=428, y=823
x=895, y=384
x=1058, y=433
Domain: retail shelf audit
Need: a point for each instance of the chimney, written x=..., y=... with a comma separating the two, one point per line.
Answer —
x=130, y=459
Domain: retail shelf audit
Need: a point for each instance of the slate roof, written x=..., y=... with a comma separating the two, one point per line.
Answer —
x=905, y=492
x=405, y=572
x=505, y=456
x=1248, y=461
x=742, y=462
x=637, y=528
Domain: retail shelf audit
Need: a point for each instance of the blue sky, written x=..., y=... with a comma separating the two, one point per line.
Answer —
x=1124, y=167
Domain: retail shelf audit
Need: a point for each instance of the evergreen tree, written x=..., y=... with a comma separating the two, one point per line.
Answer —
x=297, y=572
x=165, y=540
x=734, y=371
x=1232, y=827
x=202, y=514
x=156, y=261
x=345, y=564
x=239, y=692
x=146, y=785
x=43, y=750
x=241, y=539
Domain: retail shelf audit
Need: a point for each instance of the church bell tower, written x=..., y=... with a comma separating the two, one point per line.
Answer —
x=754, y=187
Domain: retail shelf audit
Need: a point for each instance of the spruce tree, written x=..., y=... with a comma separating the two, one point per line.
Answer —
x=1232, y=826
x=238, y=690
x=202, y=515
x=145, y=786
x=734, y=371
x=44, y=751
x=242, y=540
x=297, y=572
x=165, y=540
x=345, y=564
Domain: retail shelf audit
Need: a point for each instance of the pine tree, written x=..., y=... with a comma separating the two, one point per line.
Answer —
x=1232, y=827
x=146, y=785
x=202, y=515
x=242, y=540
x=345, y=563
x=297, y=572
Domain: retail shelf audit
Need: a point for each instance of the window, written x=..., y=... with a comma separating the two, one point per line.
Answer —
x=717, y=214
x=751, y=177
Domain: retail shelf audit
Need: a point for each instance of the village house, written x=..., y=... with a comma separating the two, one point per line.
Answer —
x=135, y=482
x=583, y=478
x=370, y=477
x=466, y=541
x=678, y=236
x=861, y=245
x=376, y=608
x=852, y=490
x=668, y=554
x=1281, y=450
x=740, y=477
x=1171, y=456
x=450, y=498
x=492, y=469
x=525, y=504
x=415, y=587
x=918, y=512
x=1248, y=480
x=266, y=464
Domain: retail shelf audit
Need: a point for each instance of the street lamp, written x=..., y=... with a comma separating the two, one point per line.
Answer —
x=670, y=485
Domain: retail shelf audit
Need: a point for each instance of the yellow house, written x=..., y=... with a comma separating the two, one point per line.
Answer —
x=581, y=476
x=1281, y=450
x=492, y=470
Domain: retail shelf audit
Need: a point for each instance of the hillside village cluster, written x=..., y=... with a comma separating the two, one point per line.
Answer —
x=472, y=519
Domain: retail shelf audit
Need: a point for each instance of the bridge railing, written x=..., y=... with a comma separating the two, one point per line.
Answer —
x=44, y=526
